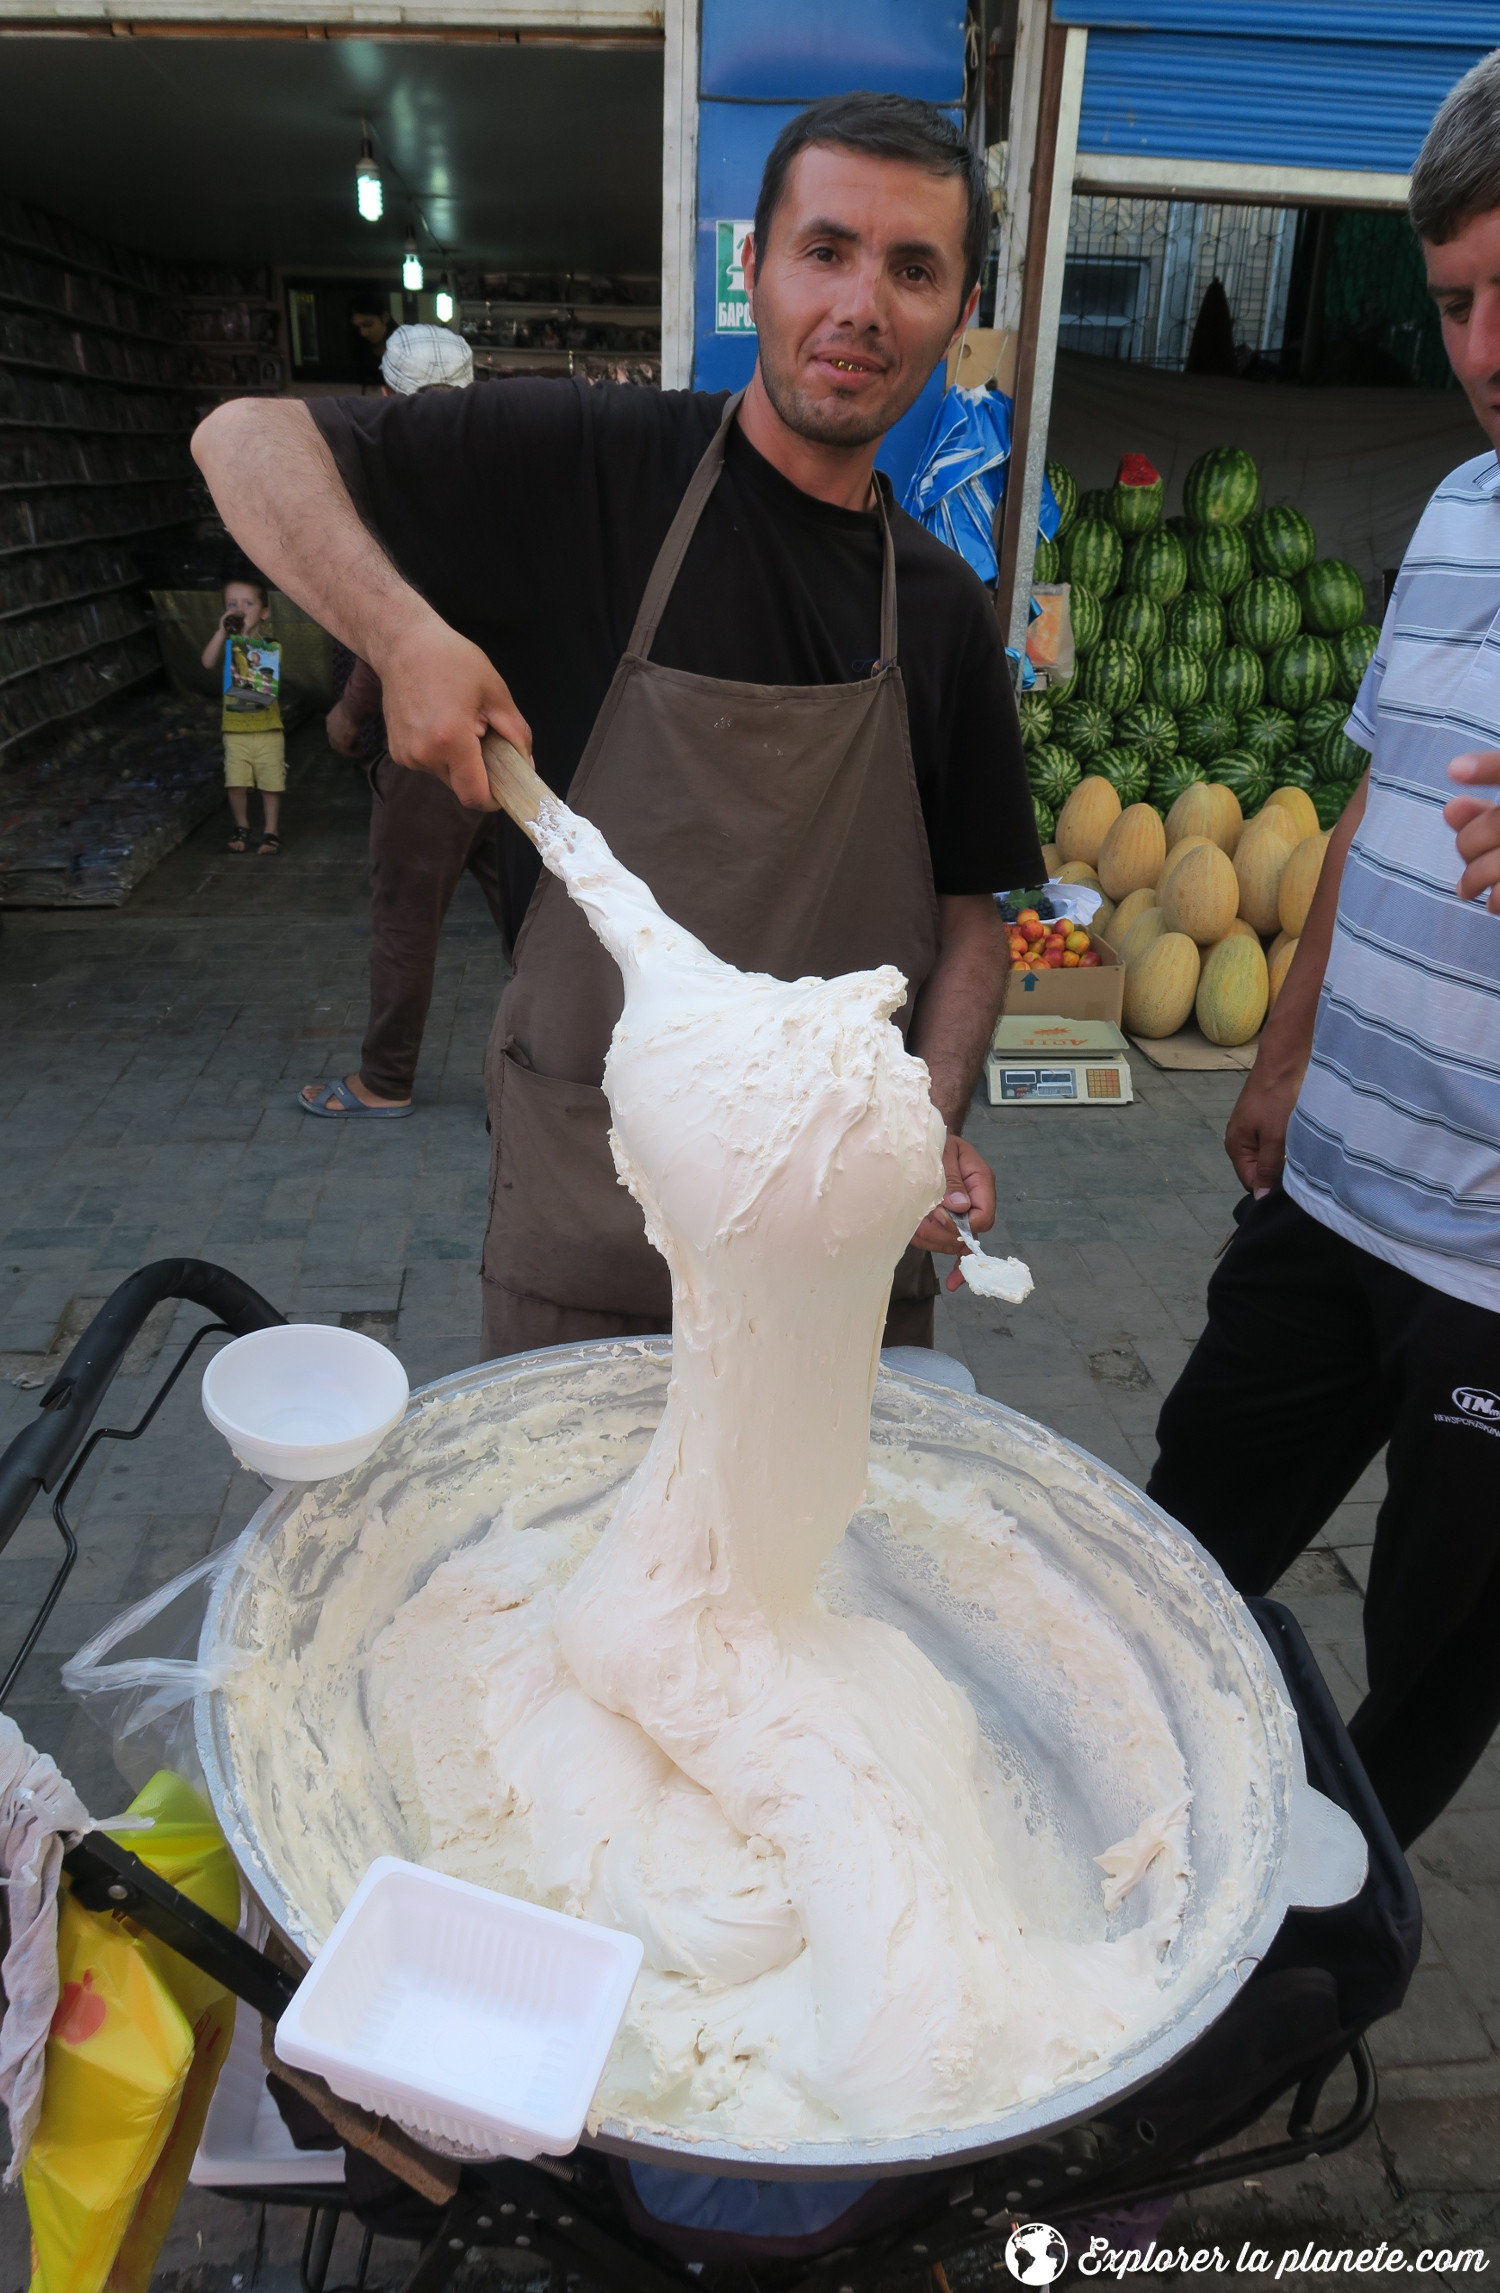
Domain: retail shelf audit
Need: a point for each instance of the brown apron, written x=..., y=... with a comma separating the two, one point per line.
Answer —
x=781, y=825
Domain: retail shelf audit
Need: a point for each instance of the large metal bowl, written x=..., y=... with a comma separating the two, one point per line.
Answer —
x=569, y=1425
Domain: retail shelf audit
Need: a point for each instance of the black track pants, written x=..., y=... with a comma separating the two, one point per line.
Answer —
x=1315, y=1354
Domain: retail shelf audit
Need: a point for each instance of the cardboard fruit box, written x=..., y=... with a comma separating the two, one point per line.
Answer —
x=1098, y=993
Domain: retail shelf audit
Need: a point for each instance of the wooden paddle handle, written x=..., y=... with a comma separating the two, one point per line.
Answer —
x=514, y=781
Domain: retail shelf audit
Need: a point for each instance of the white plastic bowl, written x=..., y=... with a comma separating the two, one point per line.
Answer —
x=301, y=1402
x=468, y=2017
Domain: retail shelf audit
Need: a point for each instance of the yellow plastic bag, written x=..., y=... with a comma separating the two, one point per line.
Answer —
x=134, y=2054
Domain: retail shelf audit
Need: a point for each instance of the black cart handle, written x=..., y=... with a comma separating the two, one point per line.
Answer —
x=43, y=1450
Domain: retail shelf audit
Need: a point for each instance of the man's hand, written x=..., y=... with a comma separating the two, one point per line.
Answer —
x=971, y=1188
x=1477, y=821
x=1255, y=1141
x=441, y=695
x=340, y=731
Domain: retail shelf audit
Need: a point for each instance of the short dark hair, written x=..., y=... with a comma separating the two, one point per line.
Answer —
x=1457, y=175
x=369, y=302
x=883, y=127
x=246, y=577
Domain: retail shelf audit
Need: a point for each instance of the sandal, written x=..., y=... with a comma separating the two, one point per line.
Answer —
x=239, y=841
x=269, y=842
x=336, y=1100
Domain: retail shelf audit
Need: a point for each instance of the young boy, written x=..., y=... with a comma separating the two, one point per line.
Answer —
x=254, y=743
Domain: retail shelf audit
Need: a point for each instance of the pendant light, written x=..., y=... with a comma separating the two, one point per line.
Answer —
x=411, y=264
x=444, y=301
x=369, y=191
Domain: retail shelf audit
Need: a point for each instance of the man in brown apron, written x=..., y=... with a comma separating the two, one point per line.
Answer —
x=785, y=705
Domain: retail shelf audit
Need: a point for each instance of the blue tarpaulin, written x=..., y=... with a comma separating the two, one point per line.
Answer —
x=959, y=481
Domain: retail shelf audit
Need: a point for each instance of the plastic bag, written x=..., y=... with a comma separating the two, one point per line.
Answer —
x=1049, y=640
x=133, y=2057
x=143, y=1699
x=959, y=481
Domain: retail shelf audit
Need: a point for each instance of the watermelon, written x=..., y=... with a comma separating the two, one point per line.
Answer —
x=1250, y=777
x=1219, y=560
x=1136, y=504
x=1296, y=771
x=1061, y=688
x=1053, y=773
x=1086, y=619
x=1300, y=672
x=1092, y=554
x=1196, y=620
x=1139, y=620
x=1098, y=502
x=1170, y=779
x=1047, y=561
x=1045, y=822
x=1175, y=677
x=1035, y=712
x=1236, y=679
x=1353, y=651
x=1330, y=798
x=1112, y=675
x=1336, y=757
x=1221, y=488
x=1065, y=493
x=1281, y=541
x=1156, y=566
x=1269, y=733
x=1265, y=613
x=1181, y=526
x=1083, y=727
x=1150, y=730
x=1127, y=773
x=1332, y=596
x=1318, y=723
x=1206, y=730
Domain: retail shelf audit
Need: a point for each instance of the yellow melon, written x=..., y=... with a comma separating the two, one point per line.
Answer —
x=1276, y=946
x=1160, y=984
x=1099, y=921
x=1299, y=881
x=1201, y=895
x=1259, y=859
x=1175, y=858
x=1086, y=819
x=1276, y=817
x=1239, y=929
x=1134, y=904
x=1232, y=993
x=1132, y=853
x=1148, y=926
x=1078, y=872
x=1205, y=809
x=1277, y=968
x=1051, y=859
x=1301, y=807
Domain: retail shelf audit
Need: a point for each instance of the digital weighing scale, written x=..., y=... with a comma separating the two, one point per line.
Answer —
x=1054, y=1062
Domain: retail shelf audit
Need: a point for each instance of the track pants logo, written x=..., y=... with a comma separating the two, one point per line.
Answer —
x=1477, y=1401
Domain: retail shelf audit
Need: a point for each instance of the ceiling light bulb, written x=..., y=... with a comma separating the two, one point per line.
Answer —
x=411, y=266
x=444, y=304
x=369, y=191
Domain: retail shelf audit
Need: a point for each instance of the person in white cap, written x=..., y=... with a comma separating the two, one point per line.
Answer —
x=421, y=838
x=426, y=358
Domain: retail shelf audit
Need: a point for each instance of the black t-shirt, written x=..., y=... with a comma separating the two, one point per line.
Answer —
x=529, y=514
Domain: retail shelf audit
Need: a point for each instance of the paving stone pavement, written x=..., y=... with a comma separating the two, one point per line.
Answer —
x=149, y=1063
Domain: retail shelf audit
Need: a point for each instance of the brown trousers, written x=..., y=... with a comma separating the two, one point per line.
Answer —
x=421, y=841
x=515, y=1324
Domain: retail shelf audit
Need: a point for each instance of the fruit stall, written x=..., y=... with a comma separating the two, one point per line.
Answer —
x=1192, y=762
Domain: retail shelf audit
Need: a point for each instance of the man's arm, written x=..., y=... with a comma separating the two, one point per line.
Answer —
x=277, y=488
x=1255, y=1141
x=951, y=1030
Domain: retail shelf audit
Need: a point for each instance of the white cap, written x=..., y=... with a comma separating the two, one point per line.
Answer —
x=426, y=357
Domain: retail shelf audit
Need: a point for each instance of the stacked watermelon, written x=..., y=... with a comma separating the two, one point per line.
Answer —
x=1212, y=646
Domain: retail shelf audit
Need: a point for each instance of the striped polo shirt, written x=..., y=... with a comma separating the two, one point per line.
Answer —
x=1395, y=1140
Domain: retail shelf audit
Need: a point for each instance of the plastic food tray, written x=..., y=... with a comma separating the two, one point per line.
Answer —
x=470, y=2018
x=245, y=2142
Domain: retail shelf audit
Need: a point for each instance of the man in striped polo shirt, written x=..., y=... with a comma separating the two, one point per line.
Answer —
x=1359, y=1303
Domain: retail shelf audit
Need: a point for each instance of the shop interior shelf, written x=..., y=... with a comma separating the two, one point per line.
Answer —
x=80, y=374
x=74, y=597
x=86, y=485
x=41, y=254
x=58, y=660
x=83, y=709
x=94, y=429
x=77, y=540
x=571, y=314
x=13, y=301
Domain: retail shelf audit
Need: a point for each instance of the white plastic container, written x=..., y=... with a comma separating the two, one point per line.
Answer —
x=470, y=2018
x=245, y=2143
x=302, y=1401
